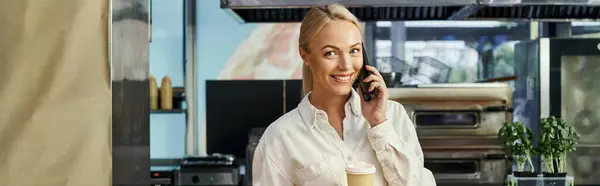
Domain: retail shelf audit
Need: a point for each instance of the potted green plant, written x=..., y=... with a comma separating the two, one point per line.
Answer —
x=556, y=140
x=518, y=140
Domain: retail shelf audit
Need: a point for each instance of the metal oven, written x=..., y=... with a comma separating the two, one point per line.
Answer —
x=457, y=126
x=458, y=118
x=461, y=110
x=466, y=160
x=476, y=166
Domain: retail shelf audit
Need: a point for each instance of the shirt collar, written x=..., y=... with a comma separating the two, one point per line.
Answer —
x=309, y=113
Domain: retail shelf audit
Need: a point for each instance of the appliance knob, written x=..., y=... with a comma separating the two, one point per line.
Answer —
x=195, y=179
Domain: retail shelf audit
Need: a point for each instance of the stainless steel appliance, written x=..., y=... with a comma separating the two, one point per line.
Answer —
x=457, y=125
x=458, y=118
x=473, y=166
x=252, y=11
x=204, y=176
x=461, y=110
x=211, y=170
x=559, y=77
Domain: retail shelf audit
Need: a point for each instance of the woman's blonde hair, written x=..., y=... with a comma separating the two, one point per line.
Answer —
x=314, y=20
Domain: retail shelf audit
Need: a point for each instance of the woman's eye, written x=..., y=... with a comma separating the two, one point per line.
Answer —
x=354, y=51
x=329, y=54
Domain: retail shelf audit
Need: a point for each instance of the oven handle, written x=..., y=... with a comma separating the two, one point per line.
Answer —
x=476, y=111
x=496, y=157
x=453, y=110
x=486, y=157
x=485, y=109
x=497, y=109
x=471, y=176
x=475, y=176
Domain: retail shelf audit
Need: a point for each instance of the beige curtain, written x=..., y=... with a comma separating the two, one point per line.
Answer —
x=54, y=93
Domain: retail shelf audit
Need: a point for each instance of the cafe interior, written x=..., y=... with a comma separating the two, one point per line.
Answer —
x=194, y=84
x=461, y=68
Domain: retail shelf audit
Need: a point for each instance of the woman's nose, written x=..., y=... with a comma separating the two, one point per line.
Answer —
x=345, y=62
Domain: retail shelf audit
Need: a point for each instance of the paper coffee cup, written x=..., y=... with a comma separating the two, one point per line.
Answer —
x=360, y=174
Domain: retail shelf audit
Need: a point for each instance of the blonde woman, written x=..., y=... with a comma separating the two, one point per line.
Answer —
x=333, y=126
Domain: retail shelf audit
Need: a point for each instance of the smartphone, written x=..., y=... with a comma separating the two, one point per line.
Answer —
x=364, y=73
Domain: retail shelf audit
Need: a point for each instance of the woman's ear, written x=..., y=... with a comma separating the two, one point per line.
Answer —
x=304, y=56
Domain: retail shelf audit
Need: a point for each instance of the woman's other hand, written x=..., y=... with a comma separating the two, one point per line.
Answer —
x=374, y=110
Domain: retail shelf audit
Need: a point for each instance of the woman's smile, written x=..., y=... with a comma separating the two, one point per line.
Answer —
x=342, y=78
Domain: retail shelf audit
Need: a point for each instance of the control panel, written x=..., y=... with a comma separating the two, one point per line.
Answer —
x=208, y=177
x=161, y=178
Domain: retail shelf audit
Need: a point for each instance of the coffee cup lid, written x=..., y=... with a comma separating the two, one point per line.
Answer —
x=360, y=168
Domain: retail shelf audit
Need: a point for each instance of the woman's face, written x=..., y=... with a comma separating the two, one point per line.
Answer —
x=335, y=57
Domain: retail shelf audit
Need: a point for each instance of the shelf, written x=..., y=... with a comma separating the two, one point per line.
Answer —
x=177, y=91
x=165, y=161
x=172, y=111
x=178, y=99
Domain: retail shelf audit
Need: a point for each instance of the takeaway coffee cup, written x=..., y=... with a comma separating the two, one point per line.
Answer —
x=360, y=174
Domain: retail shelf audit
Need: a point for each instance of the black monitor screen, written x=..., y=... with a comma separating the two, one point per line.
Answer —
x=234, y=107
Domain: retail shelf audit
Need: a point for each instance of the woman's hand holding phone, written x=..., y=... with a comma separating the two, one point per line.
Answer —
x=375, y=109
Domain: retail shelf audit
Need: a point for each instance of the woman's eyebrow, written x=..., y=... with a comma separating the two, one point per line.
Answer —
x=331, y=46
x=357, y=44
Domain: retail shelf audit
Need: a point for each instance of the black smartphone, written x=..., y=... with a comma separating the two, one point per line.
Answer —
x=364, y=73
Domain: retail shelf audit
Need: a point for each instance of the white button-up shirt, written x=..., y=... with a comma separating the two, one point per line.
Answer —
x=302, y=148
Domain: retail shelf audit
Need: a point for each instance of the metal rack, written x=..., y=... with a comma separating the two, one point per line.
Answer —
x=432, y=68
x=392, y=64
x=254, y=11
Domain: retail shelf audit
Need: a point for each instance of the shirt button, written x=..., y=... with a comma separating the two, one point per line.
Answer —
x=373, y=138
x=350, y=158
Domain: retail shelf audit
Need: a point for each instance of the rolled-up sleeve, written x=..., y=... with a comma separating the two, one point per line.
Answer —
x=401, y=160
x=267, y=171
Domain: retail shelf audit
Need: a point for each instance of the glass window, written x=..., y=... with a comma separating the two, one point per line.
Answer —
x=448, y=51
x=585, y=29
x=167, y=130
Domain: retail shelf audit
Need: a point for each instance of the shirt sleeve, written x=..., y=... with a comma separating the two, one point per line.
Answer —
x=401, y=160
x=267, y=171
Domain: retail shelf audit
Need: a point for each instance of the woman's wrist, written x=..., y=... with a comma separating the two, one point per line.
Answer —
x=376, y=122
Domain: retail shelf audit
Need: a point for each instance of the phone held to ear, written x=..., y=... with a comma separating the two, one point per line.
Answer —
x=364, y=73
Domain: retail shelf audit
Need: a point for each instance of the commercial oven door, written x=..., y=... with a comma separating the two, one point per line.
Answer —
x=459, y=118
x=487, y=169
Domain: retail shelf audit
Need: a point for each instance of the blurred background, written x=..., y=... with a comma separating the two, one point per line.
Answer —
x=194, y=83
x=244, y=54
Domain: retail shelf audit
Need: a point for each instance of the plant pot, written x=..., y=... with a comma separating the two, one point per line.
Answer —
x=532, y=182
x=561, y=182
